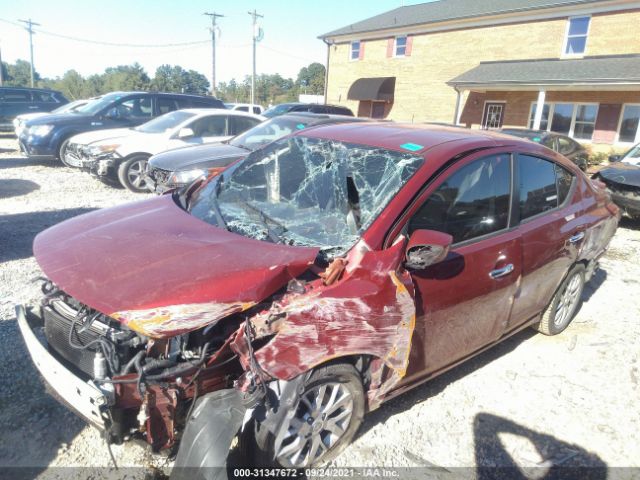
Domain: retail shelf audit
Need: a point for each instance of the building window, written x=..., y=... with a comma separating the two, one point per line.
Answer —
x=628, y=130
x=577, y=31
x=575, y=120
x=355, y=50
x=400, y=46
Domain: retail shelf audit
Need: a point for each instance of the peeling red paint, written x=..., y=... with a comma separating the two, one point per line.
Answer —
x=370, y=311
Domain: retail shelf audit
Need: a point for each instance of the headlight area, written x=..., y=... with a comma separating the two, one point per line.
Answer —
x=146, y=382
x=184, y=177
x=40, y=130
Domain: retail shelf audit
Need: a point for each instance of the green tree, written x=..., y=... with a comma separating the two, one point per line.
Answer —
x=311, y=79
x=175, y=79
x=19, y=74
x=125, y=78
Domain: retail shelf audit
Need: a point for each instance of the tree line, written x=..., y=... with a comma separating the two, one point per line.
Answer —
x=270, y=89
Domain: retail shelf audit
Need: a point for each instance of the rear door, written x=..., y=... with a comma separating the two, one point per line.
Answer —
x=464, y=302
x=13, y=102
x=552, y=231
x=44, y=101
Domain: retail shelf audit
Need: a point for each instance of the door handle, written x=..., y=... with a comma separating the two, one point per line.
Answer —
x=34, y=107
x=501, y=272
x=576, y=238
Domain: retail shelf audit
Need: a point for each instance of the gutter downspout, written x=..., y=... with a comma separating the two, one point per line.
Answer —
x=456, y=114
x=326, y=72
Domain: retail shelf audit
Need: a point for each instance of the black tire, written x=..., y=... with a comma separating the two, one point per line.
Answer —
x=257, y=444
x=554, y=319
x=131, y=173
x=61, y=153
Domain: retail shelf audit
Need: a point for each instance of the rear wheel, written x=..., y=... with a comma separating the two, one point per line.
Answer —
x=131, y=173
x=325, y=419
x=564, y=304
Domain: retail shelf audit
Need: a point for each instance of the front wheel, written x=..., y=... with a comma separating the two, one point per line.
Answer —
x=324, y=420
x=131, y=173
x=564, y=303
x=62, y=154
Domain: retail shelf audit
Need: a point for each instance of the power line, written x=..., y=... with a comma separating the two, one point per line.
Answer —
x=109, y=44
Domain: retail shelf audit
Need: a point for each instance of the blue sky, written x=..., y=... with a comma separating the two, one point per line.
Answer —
x=290, y=33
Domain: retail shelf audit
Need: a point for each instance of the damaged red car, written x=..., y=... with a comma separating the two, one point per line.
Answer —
x=309, y=283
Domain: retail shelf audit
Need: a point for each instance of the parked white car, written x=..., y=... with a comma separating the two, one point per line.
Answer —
x=20, y=120
x=120, y=155
x=245, y=107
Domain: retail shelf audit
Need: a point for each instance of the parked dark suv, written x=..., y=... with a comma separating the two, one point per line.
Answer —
x=15, y=101
x=47, y=136
x=306, y=107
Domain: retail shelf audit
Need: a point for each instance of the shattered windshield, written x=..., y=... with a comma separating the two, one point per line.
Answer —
x=307, y=192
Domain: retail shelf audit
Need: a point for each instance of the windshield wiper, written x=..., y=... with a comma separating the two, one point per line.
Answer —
x=214, y=203
x=265, y=219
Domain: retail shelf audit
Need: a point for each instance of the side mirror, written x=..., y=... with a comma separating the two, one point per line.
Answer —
x=614, y=158
x=426, y=247
x=185, y=133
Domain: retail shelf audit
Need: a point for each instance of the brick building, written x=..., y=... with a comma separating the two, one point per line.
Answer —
x=488, y=64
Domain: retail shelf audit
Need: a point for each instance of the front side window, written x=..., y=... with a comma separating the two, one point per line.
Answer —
x=242, y=124
x=166, y=104
x=629, y=124
x=401, y=46
x=306, y=191
x=537, y=186
x=135, y=108
x=474, y=201
x=355, y=50
x=576, y=40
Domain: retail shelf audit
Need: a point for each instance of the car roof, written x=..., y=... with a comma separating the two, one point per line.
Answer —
x=48, y=90
x=529, y=133
x=411, y=138
x=322, y=117
x=217, y=111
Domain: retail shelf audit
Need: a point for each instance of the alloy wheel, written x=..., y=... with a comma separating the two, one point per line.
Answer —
x=321, y=418
x=136, y=172
x=568, y=300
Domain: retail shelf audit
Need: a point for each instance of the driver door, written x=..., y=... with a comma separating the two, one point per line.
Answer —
x=464, y=302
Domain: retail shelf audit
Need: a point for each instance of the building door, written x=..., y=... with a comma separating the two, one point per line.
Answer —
x=493, y=115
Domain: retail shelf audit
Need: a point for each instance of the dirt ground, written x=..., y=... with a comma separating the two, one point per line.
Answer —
x=534, y=402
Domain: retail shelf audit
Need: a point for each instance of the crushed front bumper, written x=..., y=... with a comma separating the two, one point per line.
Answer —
x=85, y=398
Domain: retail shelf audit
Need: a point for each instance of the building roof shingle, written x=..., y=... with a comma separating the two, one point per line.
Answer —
x=610, y=69
x=444, y=10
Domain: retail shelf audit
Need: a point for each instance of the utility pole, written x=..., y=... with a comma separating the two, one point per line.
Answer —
x=213, y=16
x=29, y=28
x=254, y=16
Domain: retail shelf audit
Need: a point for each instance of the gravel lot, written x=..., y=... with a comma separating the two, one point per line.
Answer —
x=533, y=402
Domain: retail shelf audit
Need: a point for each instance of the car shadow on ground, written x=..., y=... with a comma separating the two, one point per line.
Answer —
x=16, y=187
x=34, y=425
x=17, y=231
x=630, y=223
x=530, y=454
x=21, y=162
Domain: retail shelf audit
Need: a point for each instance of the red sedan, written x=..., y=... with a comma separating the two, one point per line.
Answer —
x=321, y=276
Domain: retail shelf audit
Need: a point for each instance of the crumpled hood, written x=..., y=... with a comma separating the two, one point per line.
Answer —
x=97, y=135
x=209, y=155
x=160, y=270
x=623, y=173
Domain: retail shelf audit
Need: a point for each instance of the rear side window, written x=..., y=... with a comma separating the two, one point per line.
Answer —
x=242, y=109
x=472, y=202
x=256, y=110
x=16, y=96
x=537, y=186
x=213, y=126
x=166, y=105
x=242, y=124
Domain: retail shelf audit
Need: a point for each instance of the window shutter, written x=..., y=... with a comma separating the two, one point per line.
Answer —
x=407, y=51
x=361, y=53
x=390, y=45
